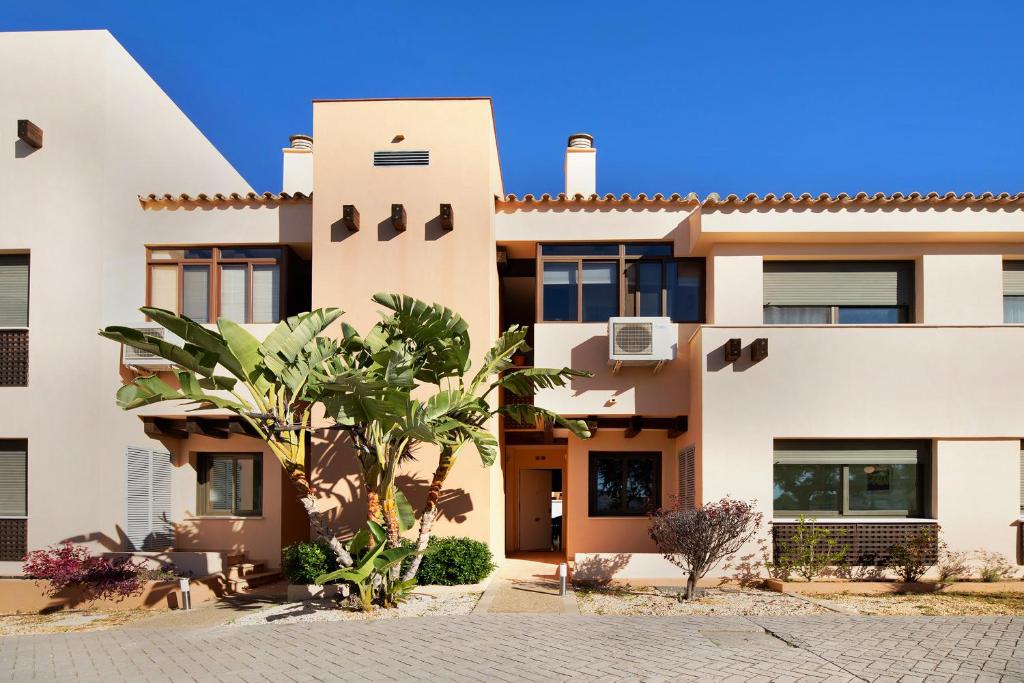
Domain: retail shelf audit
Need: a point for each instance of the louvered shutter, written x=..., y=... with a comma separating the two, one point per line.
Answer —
x=688, y=477
x=13, y=478
x=221, y=486
x=148, y=522
x=14, y=290
x=266, y=294
x=838, y=283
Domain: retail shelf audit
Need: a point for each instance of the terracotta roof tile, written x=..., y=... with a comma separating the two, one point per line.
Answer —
x=789, y=199
x=245, y=199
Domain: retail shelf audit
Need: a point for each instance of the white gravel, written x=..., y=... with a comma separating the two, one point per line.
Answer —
x=423, y=602
x=650, y=601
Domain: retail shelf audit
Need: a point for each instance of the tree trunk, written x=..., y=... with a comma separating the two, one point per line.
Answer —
x=691, y=586
x=316, y=518
x=430, y=509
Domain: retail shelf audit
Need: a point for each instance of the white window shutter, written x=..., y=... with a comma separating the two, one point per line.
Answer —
x=148, y=522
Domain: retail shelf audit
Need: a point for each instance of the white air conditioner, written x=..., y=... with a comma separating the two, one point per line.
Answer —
x=143, y=359
x=641, y=341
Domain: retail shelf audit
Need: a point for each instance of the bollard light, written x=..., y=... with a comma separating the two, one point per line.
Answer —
x=186, y=594
x=563, y=572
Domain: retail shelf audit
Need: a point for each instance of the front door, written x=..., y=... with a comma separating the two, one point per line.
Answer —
x=534, y=509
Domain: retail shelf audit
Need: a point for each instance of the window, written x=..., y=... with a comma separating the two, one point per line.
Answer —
x=853, y=478
x=230, y=484
x=148, y=522
x=624, y=484
x=838, y=292
x=595, y=282
x=13, y=499
x=205, y=283
x=14, y=273
x=1013, y=292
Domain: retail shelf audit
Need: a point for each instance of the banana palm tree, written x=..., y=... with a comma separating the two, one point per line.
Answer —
x=273, y=385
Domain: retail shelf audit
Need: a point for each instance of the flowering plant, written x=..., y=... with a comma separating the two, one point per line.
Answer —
x=66, y=565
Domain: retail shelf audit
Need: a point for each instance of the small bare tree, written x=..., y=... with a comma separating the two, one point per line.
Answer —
x=697, y=539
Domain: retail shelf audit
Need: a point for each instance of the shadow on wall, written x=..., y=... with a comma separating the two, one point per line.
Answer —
x=22, y=149
x=716, y=360
x=599, y=570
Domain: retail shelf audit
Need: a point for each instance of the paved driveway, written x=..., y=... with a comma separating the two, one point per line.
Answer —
x=539, y=647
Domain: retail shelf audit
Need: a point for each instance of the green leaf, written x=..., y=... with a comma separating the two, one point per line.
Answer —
x=290, y=336
x=144, y=391
x=189, y=358
x=528, y=414
x=392, y=556
x=193, y=333
x=527, y=381
x=378, y=532
x=486, y=445
x=406, y=515
x=497, y=358
x=246, y=348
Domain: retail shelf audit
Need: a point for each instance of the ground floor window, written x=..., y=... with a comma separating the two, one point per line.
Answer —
x=852, y=478
x=624, y=484
x=13, y=499
x=230, y=484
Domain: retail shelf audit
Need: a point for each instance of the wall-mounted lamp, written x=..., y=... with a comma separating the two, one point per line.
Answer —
x=759, y=349
x=733, y=348
x=398, y=217
x=447, y=217
x=30, y=133
x=350, y=217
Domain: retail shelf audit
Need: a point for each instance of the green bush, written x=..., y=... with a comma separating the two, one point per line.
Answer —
x=302, y=562
x=452, y=561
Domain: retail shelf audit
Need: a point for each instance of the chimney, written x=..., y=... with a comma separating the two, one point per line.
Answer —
x=580, y=165
x=298, y=165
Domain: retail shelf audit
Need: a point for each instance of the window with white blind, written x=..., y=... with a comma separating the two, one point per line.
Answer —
x=244, y=284
x=1013, y=292
x=230, y=484
x=13, y=499
x=838, y=292
x=148, y=522
x=14, y=293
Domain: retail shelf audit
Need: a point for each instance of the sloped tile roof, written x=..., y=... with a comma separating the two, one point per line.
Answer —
x=713, y=200
x=247, y=199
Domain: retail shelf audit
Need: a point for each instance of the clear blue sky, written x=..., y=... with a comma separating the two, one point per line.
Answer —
x=735, y=96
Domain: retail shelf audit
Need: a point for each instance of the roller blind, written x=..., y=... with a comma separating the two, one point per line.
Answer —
x=13, y=478
x=163, y=287
x=838, y=283
x=13, y=290
x=196, y=294
x=266, y=294
x=234, y=295
x=850, y=452
x=1013, y=278
x=148, y=522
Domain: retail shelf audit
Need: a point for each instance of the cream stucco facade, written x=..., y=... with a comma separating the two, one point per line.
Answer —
x=946, y=375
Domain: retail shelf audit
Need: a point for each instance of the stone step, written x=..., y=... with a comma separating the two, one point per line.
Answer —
x=240, y=571
x=241, y=585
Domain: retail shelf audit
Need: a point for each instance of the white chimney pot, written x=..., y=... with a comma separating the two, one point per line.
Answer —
x=580, y=165
x=297, y=175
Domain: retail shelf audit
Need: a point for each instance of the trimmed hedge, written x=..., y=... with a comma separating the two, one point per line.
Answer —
x=453, y=561
x=302, y=562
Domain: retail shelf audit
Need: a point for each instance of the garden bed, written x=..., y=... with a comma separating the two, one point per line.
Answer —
x=31, y=596
x=881, y=587
x=71, y=621
x=651, y=601
x=951, y=603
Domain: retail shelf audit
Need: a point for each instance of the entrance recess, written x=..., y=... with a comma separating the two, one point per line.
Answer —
x=540, y=509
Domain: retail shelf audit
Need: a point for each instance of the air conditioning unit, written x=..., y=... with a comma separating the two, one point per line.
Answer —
x=641, y=341
x=138, y=358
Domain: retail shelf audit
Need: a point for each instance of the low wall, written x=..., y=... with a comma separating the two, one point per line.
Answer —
x=29, y=596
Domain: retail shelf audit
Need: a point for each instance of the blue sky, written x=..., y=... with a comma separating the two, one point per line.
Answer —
x=681, y=96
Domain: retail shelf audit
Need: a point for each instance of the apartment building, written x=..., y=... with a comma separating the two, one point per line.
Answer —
x=849, y=357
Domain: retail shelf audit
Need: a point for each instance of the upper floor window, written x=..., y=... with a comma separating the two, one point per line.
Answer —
x=838, y=292
x=243, y=284
x=1013, y=291
x=14, y=270
x=595, y=282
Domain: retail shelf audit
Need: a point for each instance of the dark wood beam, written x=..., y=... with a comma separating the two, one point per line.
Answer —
x=593, y=424
x=217, y=429
x=162, y=426
x=447, y=217
x=239, y=426
x=636, y=425
x=398, y=221
x=350, y=217
x=680, y=424
x=30, y=133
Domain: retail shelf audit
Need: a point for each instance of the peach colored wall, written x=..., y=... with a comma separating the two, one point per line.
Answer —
x=518, y=458
x=612, y=534
x=455, y=268
x=978, y=493
x=258, y=537
x=735, y=289
x=961, y=289
x=633, y=390
x=110, y=134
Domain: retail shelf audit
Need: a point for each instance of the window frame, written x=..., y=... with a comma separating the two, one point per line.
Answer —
x=204, y=463
x=833, y=316
x=624, y=457
x=215, y=263
x=923, y=485
x=624, y=260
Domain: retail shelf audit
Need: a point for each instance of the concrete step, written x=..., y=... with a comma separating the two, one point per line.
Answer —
x=240, y=571
x=241, y=585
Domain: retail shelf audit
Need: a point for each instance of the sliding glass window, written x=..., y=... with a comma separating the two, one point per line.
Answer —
x=838, y=292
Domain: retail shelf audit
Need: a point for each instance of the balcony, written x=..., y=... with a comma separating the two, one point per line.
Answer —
x=13, y=357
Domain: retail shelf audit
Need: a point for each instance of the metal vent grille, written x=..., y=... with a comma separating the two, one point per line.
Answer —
x=867, y=544
x=402, y=158
x=133, y=354
x=687, y=477
x=13, y=539
x=633, y=338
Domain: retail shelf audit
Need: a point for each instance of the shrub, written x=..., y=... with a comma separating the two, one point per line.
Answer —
x=697, y=539
x=911, y=557
x=302, y=562
x=952, y=564
x=994, y=566
x=811, y=550
x=68, y=566
x=452, y=561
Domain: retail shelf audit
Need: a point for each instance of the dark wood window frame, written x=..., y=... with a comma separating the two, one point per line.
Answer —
x=215, y=263
x=624, y=260
x=625, y=457
x=204, y=463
